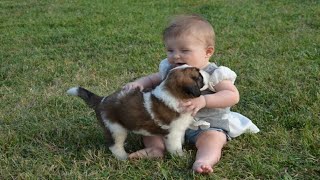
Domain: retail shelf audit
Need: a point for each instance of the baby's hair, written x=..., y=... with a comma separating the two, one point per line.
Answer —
x=190, y=25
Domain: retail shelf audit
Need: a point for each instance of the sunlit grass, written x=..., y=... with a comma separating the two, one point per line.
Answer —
x=49, y=46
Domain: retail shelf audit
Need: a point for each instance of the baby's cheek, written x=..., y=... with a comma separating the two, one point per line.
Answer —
x=170, y=60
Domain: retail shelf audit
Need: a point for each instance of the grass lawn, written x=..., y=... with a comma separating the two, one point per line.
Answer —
x=48, y=46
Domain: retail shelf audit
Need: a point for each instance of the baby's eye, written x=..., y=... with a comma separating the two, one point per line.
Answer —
x=169, y=50
x=185, y=50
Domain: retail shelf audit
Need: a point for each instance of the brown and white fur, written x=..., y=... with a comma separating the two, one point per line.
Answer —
x=147, y=113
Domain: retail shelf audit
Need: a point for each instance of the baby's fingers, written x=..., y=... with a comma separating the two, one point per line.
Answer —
x=127, y=87
x=131, y=86
x=185, y=109
x=185, y=104
x=195, y=111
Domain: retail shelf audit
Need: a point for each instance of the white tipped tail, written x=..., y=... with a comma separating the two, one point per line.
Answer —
x=73, y=91
x=90, y=98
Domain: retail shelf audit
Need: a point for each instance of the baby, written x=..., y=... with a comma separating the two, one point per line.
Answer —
x=190, y=39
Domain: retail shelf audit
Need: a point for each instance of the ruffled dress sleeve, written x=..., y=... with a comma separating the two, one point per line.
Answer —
x=220, y=74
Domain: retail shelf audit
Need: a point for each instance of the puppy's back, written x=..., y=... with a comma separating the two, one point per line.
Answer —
x=128, y=109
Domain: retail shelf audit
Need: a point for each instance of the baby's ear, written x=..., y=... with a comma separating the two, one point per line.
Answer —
x=209, y=51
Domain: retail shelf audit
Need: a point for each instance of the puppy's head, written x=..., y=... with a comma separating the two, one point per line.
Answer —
x=186, y=82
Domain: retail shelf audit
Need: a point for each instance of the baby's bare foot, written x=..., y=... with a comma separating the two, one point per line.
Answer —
x=202, y=167
x=147, y=153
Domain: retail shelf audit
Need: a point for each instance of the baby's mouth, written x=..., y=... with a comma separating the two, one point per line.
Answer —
x=180, y=64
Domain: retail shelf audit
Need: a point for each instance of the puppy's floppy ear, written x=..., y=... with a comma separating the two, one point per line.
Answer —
x=200, y=81
x=192, y=90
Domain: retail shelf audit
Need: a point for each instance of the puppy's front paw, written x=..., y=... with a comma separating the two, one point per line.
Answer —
x=122, y=156
x=178, y=152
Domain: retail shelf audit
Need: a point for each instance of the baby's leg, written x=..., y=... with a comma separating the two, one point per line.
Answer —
x=154, y=148
x=209, y=146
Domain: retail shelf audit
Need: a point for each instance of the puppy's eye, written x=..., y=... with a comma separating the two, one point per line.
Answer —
x=195, y=78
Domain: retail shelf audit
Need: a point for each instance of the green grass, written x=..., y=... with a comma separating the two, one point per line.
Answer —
x=49, y=46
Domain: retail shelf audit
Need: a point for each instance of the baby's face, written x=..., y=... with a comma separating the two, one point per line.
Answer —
x=188, y=50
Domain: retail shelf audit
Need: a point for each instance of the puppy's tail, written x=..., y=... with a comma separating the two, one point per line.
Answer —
x=90, y=98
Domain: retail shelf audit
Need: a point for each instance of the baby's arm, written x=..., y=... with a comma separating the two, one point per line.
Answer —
x=145, y=82
x=226, y=95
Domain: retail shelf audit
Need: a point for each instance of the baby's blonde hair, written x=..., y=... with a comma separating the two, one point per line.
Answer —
x=190, y=25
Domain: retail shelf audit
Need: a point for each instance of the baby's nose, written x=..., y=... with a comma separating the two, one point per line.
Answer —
x=176, y=55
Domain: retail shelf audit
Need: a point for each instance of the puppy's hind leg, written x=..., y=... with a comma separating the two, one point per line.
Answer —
x=119, y=134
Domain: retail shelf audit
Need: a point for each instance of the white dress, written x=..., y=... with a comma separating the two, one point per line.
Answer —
x=234, y=124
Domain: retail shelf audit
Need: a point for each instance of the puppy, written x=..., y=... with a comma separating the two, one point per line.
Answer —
x=147, y=113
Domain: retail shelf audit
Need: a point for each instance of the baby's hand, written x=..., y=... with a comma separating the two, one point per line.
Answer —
x=193, y=105
x=132, y=85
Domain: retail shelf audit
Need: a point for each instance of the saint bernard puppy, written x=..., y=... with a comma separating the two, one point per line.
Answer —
x=147, y=113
